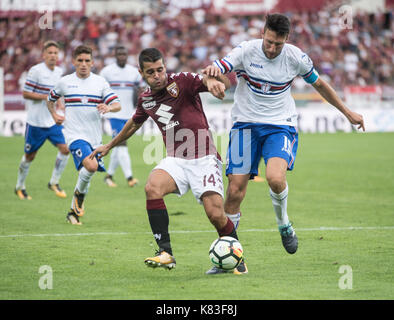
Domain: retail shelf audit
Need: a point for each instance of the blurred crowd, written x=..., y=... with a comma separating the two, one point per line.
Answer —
x=359, y=53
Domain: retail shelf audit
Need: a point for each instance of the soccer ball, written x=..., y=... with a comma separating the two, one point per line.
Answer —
x=226, y=253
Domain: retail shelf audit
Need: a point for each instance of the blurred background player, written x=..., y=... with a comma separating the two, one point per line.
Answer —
x=40, y=126
x=87, y=96
x=265, y=116
x=125, y=81
x=192, y=162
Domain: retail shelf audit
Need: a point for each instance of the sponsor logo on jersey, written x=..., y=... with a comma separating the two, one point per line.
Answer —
x=72, y=86
x=170, y=125
x=148, y=104
x=164, y=116
x=256, y=65
x=173, y=89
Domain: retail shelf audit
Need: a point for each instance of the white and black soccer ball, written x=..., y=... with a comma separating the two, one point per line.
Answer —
x=226, y=253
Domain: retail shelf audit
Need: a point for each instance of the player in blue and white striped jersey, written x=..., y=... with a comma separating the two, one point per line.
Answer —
x=265, y=117
x=87, y=97
x=126, y=82
x=40, y=126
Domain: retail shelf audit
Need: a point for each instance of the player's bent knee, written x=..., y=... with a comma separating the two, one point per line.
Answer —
x=30, y=156
x=152, y=191
x=91, y=166
x=276, y=183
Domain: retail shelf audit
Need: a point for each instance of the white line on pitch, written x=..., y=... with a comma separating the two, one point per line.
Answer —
x=189, y=231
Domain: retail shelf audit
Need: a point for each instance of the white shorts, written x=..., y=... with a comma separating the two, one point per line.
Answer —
x=200, y=175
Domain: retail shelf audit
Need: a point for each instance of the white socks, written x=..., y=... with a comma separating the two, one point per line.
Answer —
x=22, y=173
x=113, y=162
x=279, y=201
x=83, y=182
x=60, y=164
x=120, y=156
x=234, y=219
x=125, y=161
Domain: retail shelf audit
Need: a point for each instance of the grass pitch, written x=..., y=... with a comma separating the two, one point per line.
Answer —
x=341, y=202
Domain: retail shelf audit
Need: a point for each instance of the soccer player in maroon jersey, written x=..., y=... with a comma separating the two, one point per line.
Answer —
x=192, y=162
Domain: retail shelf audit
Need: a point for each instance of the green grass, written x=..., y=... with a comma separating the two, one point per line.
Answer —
x=339, y=180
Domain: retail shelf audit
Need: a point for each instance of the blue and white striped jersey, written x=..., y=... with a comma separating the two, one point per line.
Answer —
x=263, y=91
x=123, y=81
x=81, y=97
x=40, y=79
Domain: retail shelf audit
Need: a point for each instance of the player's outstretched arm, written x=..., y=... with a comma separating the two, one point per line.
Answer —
x=128, y=130
x=328, y=93
x=57, y=117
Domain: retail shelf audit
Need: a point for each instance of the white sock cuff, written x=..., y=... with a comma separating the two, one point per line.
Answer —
x=280, y=196
x=62, y=156
x=234, y=218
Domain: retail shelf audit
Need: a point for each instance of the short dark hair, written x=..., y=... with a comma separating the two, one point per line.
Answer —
x=279, y=23
x=82, y=49
x=119, y=47
x=149, y=55
x=50, y=43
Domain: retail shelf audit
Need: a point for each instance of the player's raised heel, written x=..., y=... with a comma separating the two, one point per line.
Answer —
x=58, y=191
x=132, y=182
x=73, y=218
x=77, y=203
x=109, y=181
x=289, y=238
x=162, y=259
x=22, y=194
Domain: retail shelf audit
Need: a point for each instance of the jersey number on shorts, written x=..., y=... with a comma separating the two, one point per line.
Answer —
x=287, y=145
x=211, y=179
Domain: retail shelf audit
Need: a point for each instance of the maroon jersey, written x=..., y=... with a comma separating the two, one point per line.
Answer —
x=177, y=111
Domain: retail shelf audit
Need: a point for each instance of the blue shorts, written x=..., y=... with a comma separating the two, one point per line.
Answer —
x=251, y=141
x=36, y=136
x=116, y=125
x=80, y=149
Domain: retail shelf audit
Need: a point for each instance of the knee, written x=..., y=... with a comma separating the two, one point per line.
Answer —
x=30, y=156
x=64, y=150
x=276, y=182
x=91, y=166
x=152, y=191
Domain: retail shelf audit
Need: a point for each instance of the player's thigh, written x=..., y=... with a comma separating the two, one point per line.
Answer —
x=244, y=150
x=34, y=139
x=80, y=151
x=159, y=184
x=56, y=137
x=173, y=167
x=281, y=144
x=205, y=175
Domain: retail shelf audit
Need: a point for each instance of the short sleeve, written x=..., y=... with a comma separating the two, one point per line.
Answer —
x=108, y=95
x=140, y=115
x=56, y=92
x=232, y=61
x=31, y=82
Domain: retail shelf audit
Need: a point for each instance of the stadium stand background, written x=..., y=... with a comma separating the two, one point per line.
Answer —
x=359, y=57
